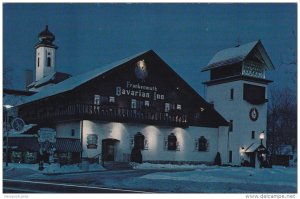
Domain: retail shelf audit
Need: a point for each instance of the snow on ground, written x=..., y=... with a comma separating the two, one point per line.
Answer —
x=252, y=178
x=171, y=178
x=52, y=168
x=169, y=166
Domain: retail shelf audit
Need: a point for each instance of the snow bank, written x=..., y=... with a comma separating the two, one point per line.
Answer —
x=239, y=175
x=169, y=166
x=54, y=168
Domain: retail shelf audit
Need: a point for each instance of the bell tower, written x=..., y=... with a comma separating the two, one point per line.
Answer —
x=238, y=91
x=45, y=54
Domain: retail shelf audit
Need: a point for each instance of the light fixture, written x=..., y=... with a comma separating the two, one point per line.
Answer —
x=7, y=106
x=261, y=137
x=242, y=151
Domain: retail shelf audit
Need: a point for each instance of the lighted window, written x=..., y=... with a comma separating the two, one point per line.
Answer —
x=147, y=104
x=97, y=99
x=49, y=61
x=172, y=142
x=203, y=144
x=111, y=99
x=178, y=106
x=133, y=103
x=167, y=107
x=139, y=141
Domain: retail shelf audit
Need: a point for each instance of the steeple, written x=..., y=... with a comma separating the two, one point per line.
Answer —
x=46, y=38
x=45, y=54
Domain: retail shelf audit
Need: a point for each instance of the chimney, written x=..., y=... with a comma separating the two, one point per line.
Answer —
x=28, y=77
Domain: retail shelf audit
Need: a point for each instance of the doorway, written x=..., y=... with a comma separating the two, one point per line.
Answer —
x=109, y=149
x=252, y=159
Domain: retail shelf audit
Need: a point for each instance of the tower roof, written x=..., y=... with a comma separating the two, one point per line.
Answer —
x=238, y=54
x=46, y=38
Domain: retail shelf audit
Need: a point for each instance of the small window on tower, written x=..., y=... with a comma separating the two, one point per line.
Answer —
x=231, y=93
x=38, y=62
x=49, y=61
x=230, y=156
x=230, y=126
x=253, y=135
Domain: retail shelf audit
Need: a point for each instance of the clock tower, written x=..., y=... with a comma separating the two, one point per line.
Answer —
x=238, y=91
x=45, y=54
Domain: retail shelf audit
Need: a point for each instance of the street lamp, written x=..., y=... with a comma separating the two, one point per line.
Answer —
x=7, y=127
x=261, y=137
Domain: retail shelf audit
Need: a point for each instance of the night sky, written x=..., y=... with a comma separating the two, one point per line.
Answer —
x=186, y=36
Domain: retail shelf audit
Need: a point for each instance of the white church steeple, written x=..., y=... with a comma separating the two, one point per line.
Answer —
x=45, y=54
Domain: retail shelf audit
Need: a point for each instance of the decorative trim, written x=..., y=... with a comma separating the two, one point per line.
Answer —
x=235, y=78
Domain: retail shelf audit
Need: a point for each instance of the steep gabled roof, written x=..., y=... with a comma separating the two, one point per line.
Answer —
x=238, y=54
x=75, y=81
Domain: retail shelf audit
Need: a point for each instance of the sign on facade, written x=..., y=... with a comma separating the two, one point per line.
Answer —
x=47, y=134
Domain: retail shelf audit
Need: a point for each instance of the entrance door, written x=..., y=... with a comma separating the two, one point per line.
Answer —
x=252, y=159
x=109, y=149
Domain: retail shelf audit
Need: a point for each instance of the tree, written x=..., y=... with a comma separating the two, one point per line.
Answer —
x=282, y=119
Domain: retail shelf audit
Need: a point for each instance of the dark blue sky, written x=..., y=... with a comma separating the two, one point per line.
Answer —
x=186, y=36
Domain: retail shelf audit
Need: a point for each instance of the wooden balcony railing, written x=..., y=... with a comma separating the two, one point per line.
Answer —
x=105, y=113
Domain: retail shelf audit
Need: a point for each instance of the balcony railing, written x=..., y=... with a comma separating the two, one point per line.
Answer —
x=107, y=113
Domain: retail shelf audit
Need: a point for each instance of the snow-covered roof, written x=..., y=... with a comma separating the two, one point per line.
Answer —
x=51, y=77
x=252, y=147
x=75, y=81
x=235, y=55
x=13, y=100
x=43, y=80
x=27, y=127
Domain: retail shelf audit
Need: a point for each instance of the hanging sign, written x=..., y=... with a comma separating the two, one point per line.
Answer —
x=47, y=134
x=18, y=124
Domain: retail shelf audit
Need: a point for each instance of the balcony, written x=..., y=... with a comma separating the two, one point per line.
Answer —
x=105, y=113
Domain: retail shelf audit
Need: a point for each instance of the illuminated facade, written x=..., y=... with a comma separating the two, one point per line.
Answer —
x=139, y=109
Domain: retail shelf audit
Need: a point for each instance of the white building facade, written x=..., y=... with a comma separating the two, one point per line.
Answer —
x=140, y=109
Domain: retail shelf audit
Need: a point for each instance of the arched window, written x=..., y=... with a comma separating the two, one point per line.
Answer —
x=49, y=61
x=172, y=142
x=139, y=141
x=202, y=146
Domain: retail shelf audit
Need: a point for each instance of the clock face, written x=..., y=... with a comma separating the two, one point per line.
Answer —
x=18, y=124
x=253, y=114
x=141, y=70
